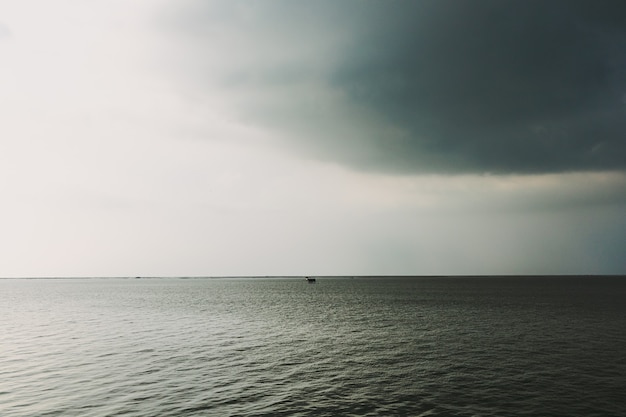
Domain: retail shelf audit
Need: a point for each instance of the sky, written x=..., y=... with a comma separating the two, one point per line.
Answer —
x=280, y=137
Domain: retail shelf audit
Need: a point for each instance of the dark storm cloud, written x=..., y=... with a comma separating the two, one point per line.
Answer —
x=520, y=86
x=451, y=86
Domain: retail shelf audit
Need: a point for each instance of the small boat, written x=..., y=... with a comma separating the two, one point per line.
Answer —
x=310, y=280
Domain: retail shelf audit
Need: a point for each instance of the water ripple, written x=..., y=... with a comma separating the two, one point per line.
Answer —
x=360, y=347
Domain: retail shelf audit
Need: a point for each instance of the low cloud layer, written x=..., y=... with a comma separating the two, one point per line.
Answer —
x=5, y=32
x=227, y=137
x=426, y=86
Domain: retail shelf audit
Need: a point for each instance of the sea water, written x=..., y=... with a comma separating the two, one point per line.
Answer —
x=376, y=346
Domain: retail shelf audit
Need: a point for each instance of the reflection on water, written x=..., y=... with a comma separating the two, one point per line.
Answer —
x=227, y=347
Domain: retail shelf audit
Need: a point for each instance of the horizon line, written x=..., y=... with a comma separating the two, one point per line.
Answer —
x=319, y=276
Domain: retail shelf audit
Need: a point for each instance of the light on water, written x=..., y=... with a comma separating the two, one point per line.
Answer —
x=281, y=347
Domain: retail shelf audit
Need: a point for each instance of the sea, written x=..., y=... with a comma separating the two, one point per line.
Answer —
x=342, y=346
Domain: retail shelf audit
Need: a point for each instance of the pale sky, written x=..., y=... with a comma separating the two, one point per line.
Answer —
x=226, y=138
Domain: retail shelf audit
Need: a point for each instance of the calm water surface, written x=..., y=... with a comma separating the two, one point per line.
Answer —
x=342, y=347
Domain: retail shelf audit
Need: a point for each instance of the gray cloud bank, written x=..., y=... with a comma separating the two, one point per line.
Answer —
x=520, y=86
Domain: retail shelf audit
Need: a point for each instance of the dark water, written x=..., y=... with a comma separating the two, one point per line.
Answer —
x=341, y=347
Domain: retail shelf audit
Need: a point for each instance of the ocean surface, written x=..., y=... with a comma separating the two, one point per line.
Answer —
x=441, y=346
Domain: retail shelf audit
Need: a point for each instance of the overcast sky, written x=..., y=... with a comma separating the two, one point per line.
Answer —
x=225, y=137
